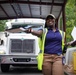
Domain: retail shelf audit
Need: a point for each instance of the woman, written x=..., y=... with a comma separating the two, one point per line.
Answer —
x=51, y=49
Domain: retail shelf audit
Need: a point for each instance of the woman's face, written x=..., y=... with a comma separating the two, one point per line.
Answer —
x=50, y=22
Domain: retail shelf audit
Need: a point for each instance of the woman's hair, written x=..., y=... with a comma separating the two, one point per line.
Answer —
x=45, y=25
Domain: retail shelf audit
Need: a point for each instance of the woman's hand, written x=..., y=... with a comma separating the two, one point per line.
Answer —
x=28, y=30
x=69, y=43
x=36, y=33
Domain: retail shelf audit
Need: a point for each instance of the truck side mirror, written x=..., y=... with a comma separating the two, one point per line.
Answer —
x=6, y=34
x=1, y=42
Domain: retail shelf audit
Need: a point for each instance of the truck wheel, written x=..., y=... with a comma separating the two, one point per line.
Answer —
x=5, y=67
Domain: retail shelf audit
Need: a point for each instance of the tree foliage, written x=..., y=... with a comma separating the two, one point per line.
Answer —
x=2, y=25
x=70, y=18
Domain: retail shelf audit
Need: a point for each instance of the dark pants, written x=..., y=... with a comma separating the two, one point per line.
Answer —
x=52, y=65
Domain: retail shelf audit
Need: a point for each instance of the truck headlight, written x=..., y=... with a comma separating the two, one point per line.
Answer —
x=2, y=52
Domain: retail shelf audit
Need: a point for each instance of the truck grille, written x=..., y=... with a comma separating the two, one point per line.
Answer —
x=22, y=46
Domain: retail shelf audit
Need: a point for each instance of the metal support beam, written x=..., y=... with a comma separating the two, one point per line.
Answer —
x=32, y=2
x=30, y=9
x=4, y=11
x=64, y=23
x=52, y=6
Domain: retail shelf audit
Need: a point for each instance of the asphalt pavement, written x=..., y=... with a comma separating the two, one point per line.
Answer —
x=22, y=71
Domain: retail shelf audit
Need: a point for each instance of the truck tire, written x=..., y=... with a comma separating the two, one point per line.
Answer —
x=5, y=67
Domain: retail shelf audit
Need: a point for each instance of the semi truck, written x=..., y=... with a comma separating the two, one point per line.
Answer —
x=18, y=48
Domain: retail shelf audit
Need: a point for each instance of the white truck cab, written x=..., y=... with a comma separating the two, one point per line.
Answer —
x=19, y=48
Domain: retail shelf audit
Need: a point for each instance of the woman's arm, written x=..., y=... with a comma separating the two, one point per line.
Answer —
x=36, y=33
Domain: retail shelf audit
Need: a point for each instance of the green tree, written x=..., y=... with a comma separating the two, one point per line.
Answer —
x=2, y=25
x=70, y=18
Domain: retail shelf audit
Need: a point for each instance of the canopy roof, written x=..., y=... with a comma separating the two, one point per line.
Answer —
x=11, y=9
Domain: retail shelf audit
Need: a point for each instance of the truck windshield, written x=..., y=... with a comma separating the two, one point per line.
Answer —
x=34, y=27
